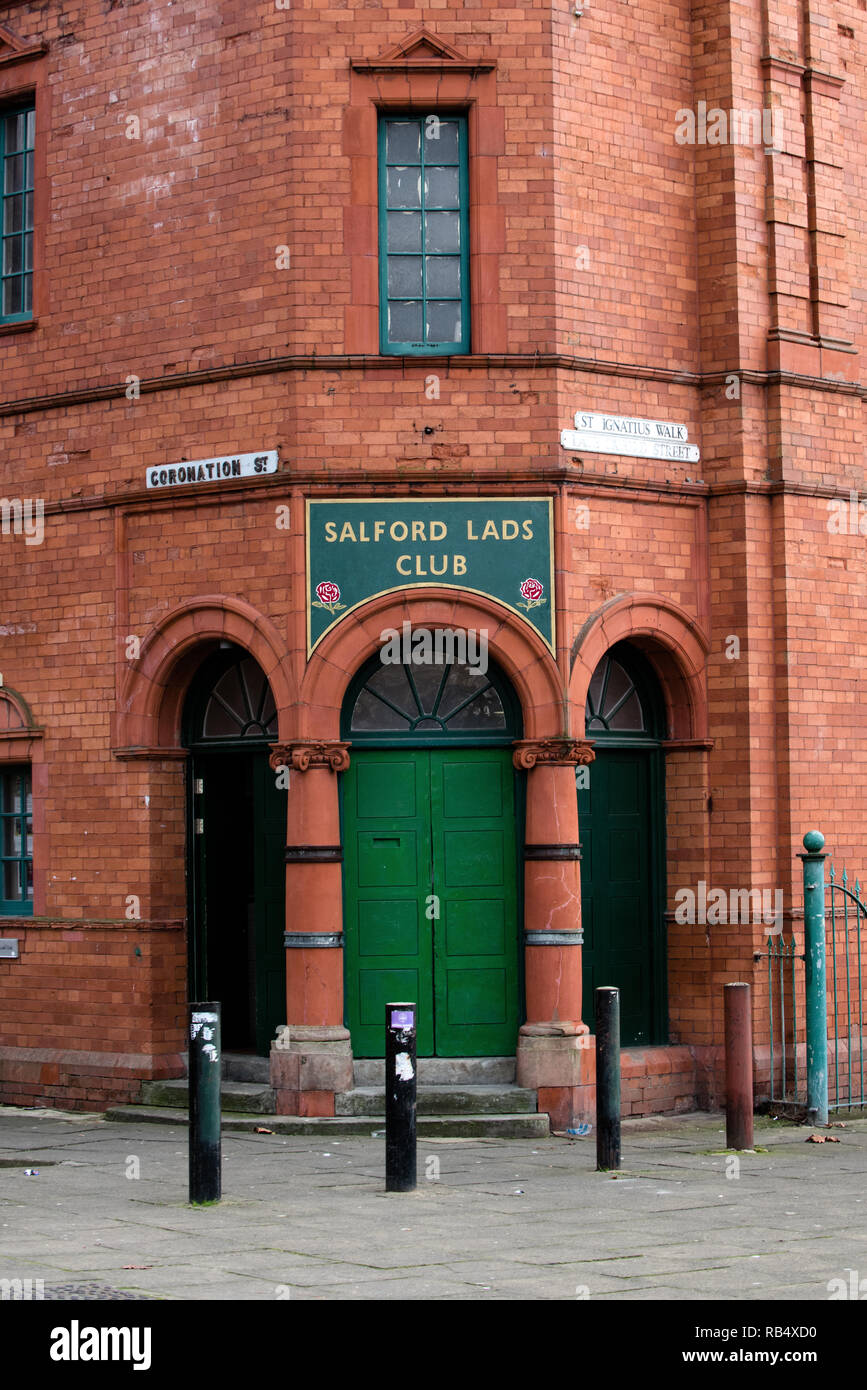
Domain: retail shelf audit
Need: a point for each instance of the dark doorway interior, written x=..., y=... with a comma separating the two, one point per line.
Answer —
x=237, y=839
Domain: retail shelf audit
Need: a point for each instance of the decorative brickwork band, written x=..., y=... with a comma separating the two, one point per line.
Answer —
x=554, y=938
x=552, y=851
x=314, y=854
x=552, y=752
x=306, y=753
x=305, y=939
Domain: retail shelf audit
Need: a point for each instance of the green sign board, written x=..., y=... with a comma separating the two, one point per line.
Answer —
x=499, y=546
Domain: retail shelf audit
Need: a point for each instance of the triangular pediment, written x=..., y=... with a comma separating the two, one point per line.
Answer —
x=423, y=45
x=9, y=43
x=12, y=49
x=419, y=50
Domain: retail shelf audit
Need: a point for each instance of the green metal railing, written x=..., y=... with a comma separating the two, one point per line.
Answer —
x=830, y=994
x=783, y=985
x=846, y=944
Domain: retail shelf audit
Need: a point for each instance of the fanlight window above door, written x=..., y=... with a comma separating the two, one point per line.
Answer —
x=613, y=702
x=444, y=699
x=240, y=704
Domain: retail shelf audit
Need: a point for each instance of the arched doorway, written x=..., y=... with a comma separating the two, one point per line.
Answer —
x=237, y=838
x=621, y=818
x=432, y=819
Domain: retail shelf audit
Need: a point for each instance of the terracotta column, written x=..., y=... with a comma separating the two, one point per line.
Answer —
x=552, y=1050
x=311, y=1058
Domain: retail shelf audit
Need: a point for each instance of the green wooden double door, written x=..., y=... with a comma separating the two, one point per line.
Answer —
x=430, y=897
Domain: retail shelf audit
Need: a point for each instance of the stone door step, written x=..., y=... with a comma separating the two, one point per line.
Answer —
x=443, y=1100
x=443, y=1071
x=494, y=1126
x=234, y=1095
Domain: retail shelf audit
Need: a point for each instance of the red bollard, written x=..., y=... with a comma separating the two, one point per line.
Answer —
x=739, y=1067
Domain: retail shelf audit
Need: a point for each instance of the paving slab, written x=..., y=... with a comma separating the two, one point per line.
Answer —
x=306, y=1216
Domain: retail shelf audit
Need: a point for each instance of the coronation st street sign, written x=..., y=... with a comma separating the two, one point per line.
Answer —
x=213, y=470
x=502, y=547
x=626, y=434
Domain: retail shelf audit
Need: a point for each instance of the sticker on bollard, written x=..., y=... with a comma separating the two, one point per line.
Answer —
x=400, y=1097
x=204, y=1101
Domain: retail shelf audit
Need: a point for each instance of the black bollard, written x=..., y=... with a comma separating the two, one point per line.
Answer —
x=400, y=1097
x=607, y=1078
x=204, y=1101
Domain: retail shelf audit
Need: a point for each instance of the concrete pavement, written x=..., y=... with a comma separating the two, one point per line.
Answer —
x=307, y=1218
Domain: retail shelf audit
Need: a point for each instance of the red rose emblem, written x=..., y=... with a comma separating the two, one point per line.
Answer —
x=327, y=592
x=532, y=590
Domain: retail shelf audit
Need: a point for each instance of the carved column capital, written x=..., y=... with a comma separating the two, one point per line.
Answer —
x=304, y=753
x=551, y=752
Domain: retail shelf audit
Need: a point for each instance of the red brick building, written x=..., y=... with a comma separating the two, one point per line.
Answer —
x=388, y=255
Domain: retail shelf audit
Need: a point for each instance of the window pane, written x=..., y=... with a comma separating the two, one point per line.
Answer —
x=628, y=716
x=465, y=681
x=404, y=188
x=443, y=321
x=594, y=692
x=372, y=715
x=441, y=188
x=404, y=275
x=28, y=210
x=402, y=142
x=12, y=258
x=31, y=129
x=28, y=172
x=442, y=231
x=441, y=142
x=390, y=680
x=427, y=683
x=404, y=321
x=28, y=294
x=11, y=836
x=14, y=174
x=28, y=251
x=11, y=792
x=12, y=295
x=253, y=680
x=13, y=215
x=11, y=881
x=404, y=231
x=618, y=684
x=15, y=132
x=443, y=275
x=485, y=712
x=28, y=870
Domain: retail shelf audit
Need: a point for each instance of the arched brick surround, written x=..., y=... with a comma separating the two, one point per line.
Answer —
x=671, y=640
x=154, y=687
x=674, y=643
x=515, y=646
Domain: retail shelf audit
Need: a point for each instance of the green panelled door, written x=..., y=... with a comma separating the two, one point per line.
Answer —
x=618, y=892
x=430, y=898
x=387, y=857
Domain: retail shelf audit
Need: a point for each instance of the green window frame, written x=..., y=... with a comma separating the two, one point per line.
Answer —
x=424, y=245
x=17, y=143
x=16, y=842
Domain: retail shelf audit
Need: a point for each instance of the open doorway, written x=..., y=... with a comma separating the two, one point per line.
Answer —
x=237, y=839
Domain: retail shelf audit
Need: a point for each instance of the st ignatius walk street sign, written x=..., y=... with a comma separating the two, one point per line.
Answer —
x=502, y=547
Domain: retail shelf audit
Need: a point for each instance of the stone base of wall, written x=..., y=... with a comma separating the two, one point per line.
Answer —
x=67, y=1080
